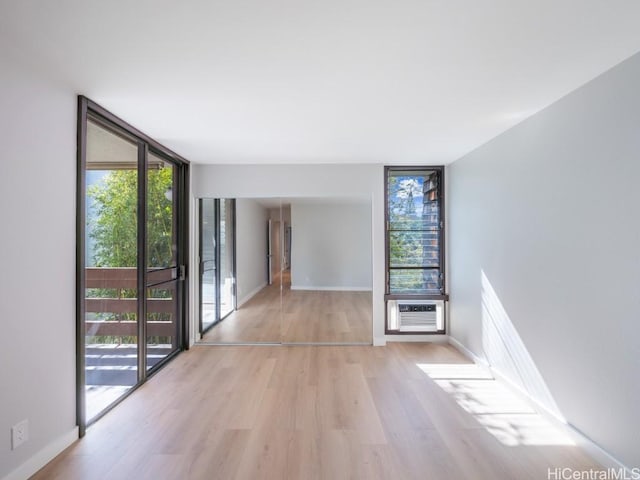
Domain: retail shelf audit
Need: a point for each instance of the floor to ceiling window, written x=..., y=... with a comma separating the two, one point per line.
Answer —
x=131, y=258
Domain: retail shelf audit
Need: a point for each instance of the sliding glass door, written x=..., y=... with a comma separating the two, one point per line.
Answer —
x=111, y=267
x=217, y=261
x=131, y=270
x=162, y=269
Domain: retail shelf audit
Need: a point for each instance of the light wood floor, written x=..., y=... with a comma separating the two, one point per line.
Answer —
x=404, y=411
x=276, y=315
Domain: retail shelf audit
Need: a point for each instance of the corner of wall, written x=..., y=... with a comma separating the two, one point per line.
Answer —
x=379, y=341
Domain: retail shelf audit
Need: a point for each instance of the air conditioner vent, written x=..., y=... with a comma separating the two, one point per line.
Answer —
x=416, y=315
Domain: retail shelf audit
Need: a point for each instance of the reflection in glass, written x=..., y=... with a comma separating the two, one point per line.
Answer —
x=226, y=229
x=328, y=297
x=323, y=247
x=217, y=262
x=207, y=263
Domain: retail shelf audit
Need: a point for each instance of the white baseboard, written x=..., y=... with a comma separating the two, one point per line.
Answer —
x=44, y=456
x=467, y=353
x=437, y=338
x=251, y=294
x=596, y=452
x=331, y=289
x=382, y=341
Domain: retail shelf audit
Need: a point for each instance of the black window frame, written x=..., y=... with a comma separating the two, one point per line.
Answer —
x=442, y=251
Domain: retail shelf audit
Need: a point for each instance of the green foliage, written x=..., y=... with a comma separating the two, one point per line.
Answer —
x=160, y=233
x=115, y=223
x=114, y=227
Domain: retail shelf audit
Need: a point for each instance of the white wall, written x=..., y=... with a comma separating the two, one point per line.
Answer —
x=37, y=249
x=331, y=245
x=251, y=248
x=251, y=181
x=544, y=240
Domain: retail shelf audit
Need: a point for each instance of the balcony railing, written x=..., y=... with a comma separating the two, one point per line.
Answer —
x=119, y=279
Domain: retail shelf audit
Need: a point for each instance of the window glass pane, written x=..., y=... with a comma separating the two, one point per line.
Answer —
x=412, y=223
x=405, y=197
x=161, y=235
x=413, y=199
x=415, y=280
x=414, y=249
x=427, y=217
x=162, y=259
x=414, y=231
x=161, y=322
x=111, y=259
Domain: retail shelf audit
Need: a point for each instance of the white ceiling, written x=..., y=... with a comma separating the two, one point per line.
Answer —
x=301, y=81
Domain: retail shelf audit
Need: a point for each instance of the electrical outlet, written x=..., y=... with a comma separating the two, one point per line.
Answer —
x=19, y=434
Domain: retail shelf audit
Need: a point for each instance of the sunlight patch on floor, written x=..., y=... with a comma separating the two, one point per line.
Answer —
x=502, y=412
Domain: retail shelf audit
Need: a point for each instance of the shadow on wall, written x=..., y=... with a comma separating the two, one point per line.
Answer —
x=506, y=353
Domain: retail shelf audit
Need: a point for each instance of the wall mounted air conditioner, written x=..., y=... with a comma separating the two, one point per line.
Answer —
x=415, y=315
